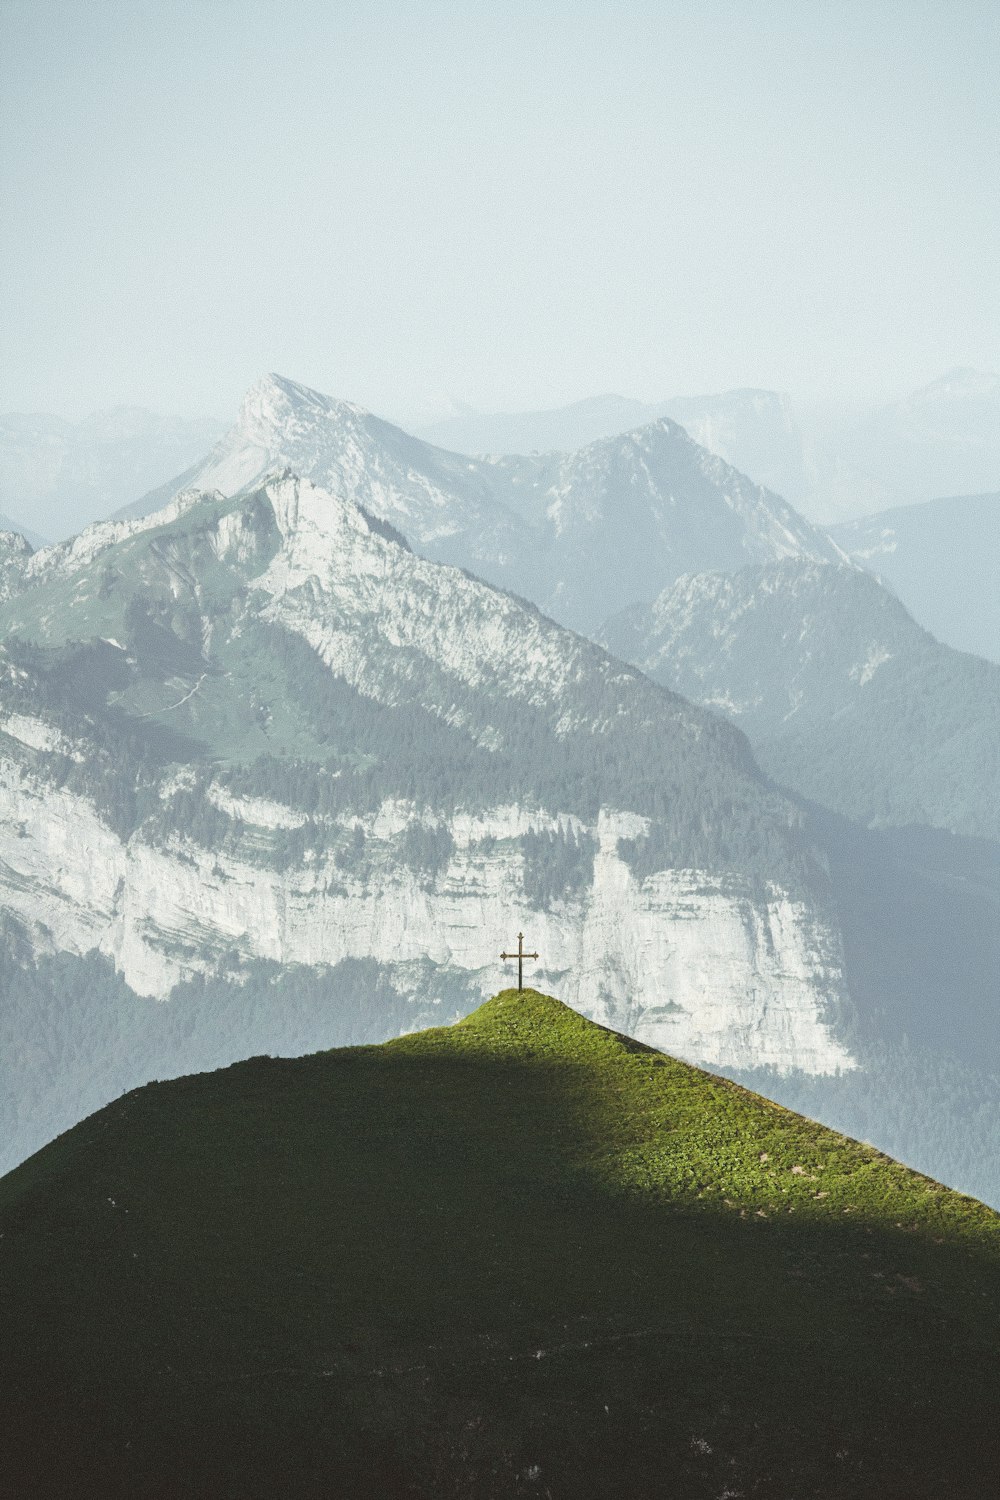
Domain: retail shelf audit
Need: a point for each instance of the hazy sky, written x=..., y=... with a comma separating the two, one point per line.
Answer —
x=395, y=202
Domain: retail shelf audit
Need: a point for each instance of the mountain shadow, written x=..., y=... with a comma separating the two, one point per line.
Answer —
x=521, y=1255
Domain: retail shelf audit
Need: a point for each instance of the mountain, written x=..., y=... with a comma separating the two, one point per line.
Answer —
x=562, y=429
x=578, y=533
x=756, y=431
x=521, y=1255
x=838, y=464
x=15, y=550
x=843, y=696
x=441, y=502
x=753, y=430
x=942, y=558
x=61, y=475
x=620, y=518
x=249, y=738
x=943, y=439
x=10, y=527
x=832, y=465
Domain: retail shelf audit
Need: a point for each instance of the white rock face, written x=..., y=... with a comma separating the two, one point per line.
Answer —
x=682, y=962
x=37, y=734
x=374, y=592
x=64, y=559
x=258, y=812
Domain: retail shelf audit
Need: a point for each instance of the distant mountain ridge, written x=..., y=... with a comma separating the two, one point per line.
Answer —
x=561, y=429
x=753, y=430
x=939, y=440
x=844, y=697
x=942, y=439
x=578, y=533
x=942, y=557
x=64, y=475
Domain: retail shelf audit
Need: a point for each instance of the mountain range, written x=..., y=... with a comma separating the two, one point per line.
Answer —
x=944, y=439
x=942, y=558
x=254, y=746
x=753, y=430
x=832, y=464
x=616, y=520
x=262, y=729
x=843, y=696
x=59, y=476
x=577, y=533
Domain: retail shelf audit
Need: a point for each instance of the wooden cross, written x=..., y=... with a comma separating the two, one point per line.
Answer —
x=520, y=955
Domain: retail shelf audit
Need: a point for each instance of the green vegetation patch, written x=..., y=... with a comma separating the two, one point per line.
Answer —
x=520, y=1255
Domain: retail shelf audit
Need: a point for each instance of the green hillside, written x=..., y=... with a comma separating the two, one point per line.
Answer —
x=520, y=1255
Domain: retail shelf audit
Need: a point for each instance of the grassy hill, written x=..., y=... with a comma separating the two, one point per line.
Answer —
x=520, y=1255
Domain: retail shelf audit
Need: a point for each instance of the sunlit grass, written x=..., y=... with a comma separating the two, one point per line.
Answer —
x=515, y=1255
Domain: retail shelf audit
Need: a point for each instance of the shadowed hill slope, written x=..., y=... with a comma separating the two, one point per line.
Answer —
x=521, y=1255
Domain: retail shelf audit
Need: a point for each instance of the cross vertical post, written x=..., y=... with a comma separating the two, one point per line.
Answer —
x=520, y=955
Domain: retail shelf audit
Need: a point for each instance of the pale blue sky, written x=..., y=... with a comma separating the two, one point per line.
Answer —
x=396, y=201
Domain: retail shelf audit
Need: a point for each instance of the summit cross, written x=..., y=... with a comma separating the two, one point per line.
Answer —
x=520, y=955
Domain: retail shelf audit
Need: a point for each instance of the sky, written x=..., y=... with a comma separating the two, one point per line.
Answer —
x=514, y=206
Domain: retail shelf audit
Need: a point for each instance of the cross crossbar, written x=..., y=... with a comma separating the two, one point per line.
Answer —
x=520, y=955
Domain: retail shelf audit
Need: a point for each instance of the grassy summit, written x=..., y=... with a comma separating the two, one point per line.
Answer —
x=520, y=1255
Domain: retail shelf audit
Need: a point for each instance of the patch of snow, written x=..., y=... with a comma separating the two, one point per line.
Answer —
x=864, y=671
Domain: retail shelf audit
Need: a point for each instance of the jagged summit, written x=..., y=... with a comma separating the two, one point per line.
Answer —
x=642, y=436
x=275, y=406
x=14, y=535
x=509, y=1255
x=578, y=533
x=15, y=553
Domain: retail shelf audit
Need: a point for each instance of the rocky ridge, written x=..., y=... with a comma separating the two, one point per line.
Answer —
x=844, y=697
x=578, y=533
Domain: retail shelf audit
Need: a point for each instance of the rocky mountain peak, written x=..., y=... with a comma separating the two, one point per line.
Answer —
x=13, y=542
x=276, y=408
x=278, y=411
